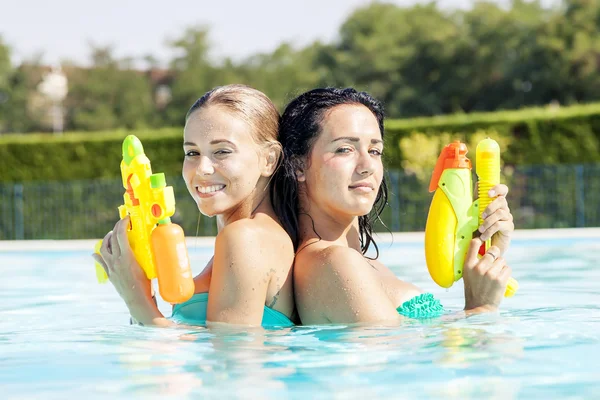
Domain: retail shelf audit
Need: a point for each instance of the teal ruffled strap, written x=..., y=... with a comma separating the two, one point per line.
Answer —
x=421, y=307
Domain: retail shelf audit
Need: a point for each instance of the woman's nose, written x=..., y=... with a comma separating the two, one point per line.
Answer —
x=366, y=164
x=205, y=166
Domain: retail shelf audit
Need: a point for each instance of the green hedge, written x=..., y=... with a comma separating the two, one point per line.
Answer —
x=532, y=136
x=561, y=135
x=83, y=155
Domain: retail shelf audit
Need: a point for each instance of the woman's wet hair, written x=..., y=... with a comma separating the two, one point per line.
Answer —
x=247, y=103
x=299, y=128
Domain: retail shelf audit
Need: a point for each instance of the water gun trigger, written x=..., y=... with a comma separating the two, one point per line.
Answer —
x=482, y=250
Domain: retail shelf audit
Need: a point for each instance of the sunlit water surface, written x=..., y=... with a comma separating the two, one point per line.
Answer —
x=63, y=336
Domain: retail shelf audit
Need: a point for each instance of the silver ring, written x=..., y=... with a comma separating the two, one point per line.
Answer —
x=493, y=255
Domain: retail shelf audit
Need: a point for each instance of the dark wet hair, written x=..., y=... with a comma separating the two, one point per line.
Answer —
x=299, y=128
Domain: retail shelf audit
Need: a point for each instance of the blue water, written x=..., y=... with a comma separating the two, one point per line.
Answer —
x=64, y=336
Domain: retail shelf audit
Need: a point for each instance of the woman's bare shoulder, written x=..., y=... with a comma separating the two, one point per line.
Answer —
x=258, y=242
x=263, y=228
x=398, y=289
x=336, y=284
x=323, y=263
x=321, y=260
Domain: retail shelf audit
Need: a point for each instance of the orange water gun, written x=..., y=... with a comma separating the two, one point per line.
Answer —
x=453, y=215
x=157, y=243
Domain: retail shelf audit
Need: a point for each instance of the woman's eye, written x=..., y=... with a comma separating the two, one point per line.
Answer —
x=376, y=152
x=222, y=152
x=343, y=150
x=191, y=153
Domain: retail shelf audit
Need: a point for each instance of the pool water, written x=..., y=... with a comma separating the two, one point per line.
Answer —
x=62, y=335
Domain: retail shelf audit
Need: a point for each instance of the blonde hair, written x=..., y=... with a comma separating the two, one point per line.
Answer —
x=249, y=104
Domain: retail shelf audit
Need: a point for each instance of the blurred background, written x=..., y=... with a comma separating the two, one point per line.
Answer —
x=77, y=77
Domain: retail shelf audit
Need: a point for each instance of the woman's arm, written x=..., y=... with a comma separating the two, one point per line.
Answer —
x=242, y=270
x=128, y=278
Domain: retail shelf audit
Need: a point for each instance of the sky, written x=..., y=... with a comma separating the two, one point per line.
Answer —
x=63, y=29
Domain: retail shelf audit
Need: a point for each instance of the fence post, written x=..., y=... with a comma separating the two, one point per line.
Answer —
x=18, y=212
x=579, y=196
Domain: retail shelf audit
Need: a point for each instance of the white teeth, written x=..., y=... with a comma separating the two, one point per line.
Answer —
x=210, y=189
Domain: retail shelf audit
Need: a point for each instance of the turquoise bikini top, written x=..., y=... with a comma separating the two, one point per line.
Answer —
x=422, y=306
x=193, y=312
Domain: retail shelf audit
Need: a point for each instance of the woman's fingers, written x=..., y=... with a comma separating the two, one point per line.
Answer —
x=501, y=226
x=98, y=258
x=501, y=214
x=105, y=249
x=498, y=190
x=107, y=252
x=500, y=203
x=471, y=258
x=488, y=259
x=505, y=274
x=121, y=234
x=493, y=253
x=114, y=243
x=497, y=218
x=496, y=268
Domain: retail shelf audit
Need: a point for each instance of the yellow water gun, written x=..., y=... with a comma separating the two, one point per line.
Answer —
x=157, y=243
x=453, y=215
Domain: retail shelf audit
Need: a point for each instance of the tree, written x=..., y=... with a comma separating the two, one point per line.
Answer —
x=193, y=73
x=400, y=55
x=5, y=77
x=109, y=94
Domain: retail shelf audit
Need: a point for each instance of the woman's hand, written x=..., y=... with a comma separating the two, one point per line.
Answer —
x=125, y=273
x=485, y=279
x=497, y=220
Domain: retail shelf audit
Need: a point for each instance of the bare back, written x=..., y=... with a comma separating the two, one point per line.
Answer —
x=335, y=283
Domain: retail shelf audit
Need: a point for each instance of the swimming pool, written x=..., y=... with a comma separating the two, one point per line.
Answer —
x=64, y=336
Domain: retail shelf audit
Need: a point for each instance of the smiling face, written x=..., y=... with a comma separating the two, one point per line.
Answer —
x=223, y=163
x=344, y=170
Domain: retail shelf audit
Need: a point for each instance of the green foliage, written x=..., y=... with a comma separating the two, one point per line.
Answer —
x=529, y=136
x=283, y=74
x=108, y=96
x=20, y=112
x=82, y=155
x=5, y=84
x=193, y=73
x=5, y=66
x=420, y=61
x=70, y=185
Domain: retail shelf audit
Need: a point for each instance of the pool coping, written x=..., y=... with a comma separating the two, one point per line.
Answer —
x=381, y=237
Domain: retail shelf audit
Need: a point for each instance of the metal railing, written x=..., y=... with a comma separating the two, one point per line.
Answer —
x=556, y=196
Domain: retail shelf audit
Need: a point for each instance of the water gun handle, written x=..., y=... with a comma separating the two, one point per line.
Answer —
x=488, y=175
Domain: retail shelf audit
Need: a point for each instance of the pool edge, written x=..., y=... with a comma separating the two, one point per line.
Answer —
x=381, y=237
